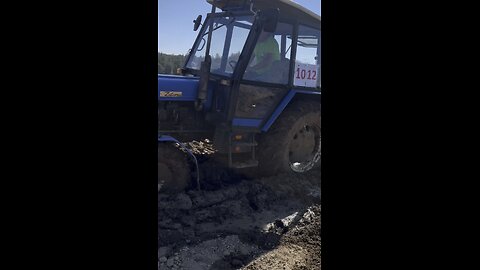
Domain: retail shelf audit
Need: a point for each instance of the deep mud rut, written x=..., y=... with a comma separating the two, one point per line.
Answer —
x=265, y=223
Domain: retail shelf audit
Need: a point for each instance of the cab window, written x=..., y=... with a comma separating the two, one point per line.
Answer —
x=228, y=38
x=270, y=60
x=307, y=60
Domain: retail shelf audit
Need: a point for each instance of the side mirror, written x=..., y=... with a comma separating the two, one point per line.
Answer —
x=270, y=17
x=196, y=22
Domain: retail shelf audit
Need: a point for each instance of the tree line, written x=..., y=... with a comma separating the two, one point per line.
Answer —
x=168, y=63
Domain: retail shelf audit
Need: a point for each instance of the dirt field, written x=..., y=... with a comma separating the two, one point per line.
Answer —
x=266, y=223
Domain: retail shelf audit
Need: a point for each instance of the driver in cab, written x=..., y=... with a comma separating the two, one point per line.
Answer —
x=266, y=52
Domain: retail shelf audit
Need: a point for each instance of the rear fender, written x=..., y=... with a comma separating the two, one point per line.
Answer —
x=291, y=95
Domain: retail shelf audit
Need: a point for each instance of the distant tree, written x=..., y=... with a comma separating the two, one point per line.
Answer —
x=168, y=63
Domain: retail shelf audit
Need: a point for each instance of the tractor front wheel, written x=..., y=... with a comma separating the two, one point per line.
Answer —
x=173, y=169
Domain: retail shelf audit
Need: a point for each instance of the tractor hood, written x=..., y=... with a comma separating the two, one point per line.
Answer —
x=181, y=88
x=177, y=88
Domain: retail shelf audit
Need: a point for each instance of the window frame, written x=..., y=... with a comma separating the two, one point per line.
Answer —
x=293, y=23
x=191, y=53
x=316, y=88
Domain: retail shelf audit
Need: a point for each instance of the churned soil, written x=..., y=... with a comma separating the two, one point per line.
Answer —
x=264, y=223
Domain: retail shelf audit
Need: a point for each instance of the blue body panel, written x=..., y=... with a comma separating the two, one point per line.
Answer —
x=255, y=123
x=166, y=138
x=246, y=122
x=188, y=86
x=283, y=104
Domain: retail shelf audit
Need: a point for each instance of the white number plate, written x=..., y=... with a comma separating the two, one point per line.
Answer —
x=305, y=75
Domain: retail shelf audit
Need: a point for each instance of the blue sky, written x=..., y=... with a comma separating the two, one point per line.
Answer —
x=175, y=22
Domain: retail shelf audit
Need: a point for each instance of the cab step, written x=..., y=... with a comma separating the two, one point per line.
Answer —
x=244, y=143
x=244, y=164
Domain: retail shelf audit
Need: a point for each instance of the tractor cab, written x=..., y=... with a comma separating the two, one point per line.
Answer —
x=229, y=38
x=253, y=53
x=252, y=62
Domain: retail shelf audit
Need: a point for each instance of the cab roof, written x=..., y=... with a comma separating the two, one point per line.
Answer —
x=287, y=8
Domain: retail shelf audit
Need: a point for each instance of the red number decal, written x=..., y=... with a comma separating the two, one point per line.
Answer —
x=314, y=75
x=303, y=74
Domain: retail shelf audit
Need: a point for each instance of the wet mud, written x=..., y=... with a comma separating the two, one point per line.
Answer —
x=235, y=223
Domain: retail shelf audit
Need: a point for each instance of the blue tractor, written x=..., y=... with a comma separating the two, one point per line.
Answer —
x=251, y=84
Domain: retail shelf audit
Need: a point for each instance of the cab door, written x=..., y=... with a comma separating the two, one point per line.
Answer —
x=262, y=86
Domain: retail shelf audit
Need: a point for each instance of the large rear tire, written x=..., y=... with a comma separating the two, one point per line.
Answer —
x=293, y=142
x=173, y=169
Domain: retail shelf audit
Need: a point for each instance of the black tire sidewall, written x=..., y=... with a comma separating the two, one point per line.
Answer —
x=273, y=150
x=178, y=164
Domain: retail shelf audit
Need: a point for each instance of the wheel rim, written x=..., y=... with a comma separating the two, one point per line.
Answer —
x=304, y=149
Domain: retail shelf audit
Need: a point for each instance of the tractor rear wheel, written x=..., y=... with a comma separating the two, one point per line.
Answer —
x=293, y=142
x=173, y=169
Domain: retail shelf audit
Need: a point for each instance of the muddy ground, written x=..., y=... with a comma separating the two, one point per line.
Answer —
x=234, y=223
